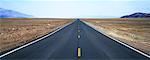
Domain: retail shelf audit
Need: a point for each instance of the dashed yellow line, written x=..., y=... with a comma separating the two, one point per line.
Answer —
x=79, y=36
x=79, y=31
x=79, y=52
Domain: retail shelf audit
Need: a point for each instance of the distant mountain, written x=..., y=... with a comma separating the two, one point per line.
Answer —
x=137, y=15
x=4, y=13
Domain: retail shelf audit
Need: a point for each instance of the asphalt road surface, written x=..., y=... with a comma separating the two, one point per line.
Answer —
x=76, y=41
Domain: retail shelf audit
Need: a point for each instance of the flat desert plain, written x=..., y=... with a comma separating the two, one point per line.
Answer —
x=18, y=31
x=132, y=31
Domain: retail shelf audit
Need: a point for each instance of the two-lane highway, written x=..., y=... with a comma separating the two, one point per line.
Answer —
x=76, y=41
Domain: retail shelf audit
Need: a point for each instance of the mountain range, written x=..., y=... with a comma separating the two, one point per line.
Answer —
x=5, y=13
x=137, y=15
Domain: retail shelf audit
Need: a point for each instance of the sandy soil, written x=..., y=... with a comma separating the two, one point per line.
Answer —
x=135, y=32
x=15, y=32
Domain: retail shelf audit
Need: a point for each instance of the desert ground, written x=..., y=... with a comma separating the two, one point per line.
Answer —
x=132, y=31
x=18, y=31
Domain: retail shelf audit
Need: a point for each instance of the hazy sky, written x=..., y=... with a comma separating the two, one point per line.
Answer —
x=77, y=8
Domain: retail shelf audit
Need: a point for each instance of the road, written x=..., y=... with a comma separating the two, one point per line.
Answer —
x=76, y=41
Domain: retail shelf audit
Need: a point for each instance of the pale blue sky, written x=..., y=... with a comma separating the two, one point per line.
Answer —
x=77, y=8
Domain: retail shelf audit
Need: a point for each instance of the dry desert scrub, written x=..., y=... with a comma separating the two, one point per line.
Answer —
x=15, y=32
x=135, y=32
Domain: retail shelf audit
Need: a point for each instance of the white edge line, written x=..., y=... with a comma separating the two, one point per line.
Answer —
x=59, y=28
x=89, y=24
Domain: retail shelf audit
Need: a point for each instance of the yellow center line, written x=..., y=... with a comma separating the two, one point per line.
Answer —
x=79, y=36
x=79, y=52
x=79, y=31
